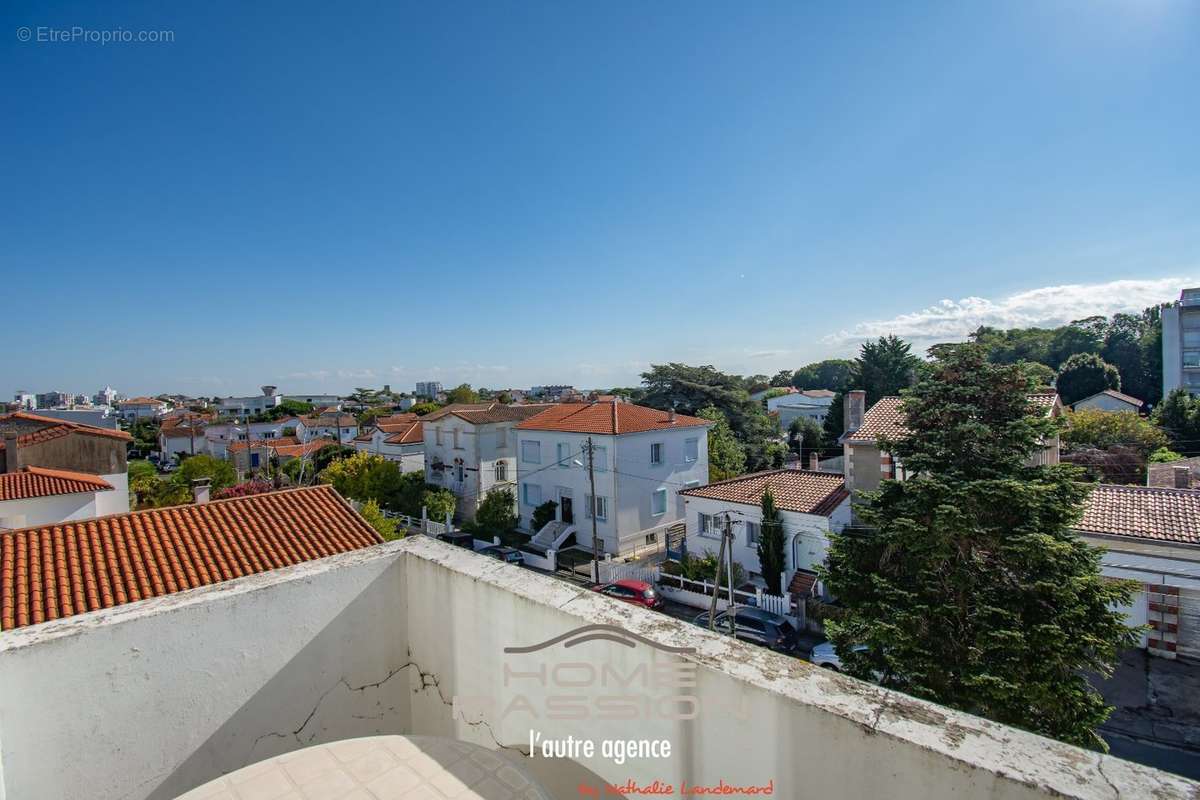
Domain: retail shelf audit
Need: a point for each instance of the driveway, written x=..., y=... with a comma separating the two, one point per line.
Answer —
x=1156, y=720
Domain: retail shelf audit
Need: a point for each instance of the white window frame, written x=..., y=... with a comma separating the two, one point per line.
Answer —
x=600, y=503
x=691, y=450
x=501, y=438
x=525, y=493
x=501, y=472
x=562, y=453
x=706, y=525
x=654, y=500
x=753, y=533
x=600, y=458
x=656, y=454
x=437, y=436
x=531, y=447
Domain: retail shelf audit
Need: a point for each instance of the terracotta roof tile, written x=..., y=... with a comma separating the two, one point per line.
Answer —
x=800, y=490
x=609, y=418
x=56, y=571
x=32, y=429
x=41, y=482
x=885, y=419
x=1143, y=512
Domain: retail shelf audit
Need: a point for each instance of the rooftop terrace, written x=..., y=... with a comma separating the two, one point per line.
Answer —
x=154, y=698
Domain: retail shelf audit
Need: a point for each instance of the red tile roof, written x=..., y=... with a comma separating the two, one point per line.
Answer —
x=41, y=482
x=48, y=428
x=885, y=419
x=302, y=450
x=260, y=443
x=800, y=490
x=141, y=401
x=1143, y=512
x=57, y=571
x=608, y=418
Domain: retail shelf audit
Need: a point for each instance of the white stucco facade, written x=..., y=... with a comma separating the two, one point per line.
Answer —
x=637, y=495
x=469, y=459
x=28, y=512
x=410, y=457
x=806, y=536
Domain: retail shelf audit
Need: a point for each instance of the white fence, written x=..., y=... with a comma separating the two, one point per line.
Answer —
x=698, y=594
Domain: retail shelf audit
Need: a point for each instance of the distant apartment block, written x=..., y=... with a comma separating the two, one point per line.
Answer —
x=430, y=389
x=1181, y=343
x=25, y=401
x=249, y=406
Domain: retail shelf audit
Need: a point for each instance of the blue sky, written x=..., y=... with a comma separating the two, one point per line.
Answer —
x=325, y=195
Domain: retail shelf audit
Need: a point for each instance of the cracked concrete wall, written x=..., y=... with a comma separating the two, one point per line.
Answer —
x=154, y=698
x=761, y=716
x=148, y=700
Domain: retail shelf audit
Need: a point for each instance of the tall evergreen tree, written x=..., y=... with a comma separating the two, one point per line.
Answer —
x=770, y=545
x=968, y=586
x=884, y=367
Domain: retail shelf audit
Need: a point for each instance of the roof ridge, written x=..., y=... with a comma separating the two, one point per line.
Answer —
x=143, y=511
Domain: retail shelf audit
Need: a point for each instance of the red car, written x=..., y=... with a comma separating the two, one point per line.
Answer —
x=637, y=592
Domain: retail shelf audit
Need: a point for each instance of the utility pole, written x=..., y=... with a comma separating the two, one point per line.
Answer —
x=595, y=539
x=724, y=559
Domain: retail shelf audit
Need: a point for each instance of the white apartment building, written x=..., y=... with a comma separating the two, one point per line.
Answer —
x=1181, y=343
x=249, y=406
x=470, y=448
x=643, y=458
x=429, y=389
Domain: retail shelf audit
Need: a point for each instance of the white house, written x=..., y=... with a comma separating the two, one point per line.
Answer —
x=399, y=438
x=218, y=436
x=54, y=470
x=1109, y=400
x=643, y=458
x=1152, y=535
x=317, y=400
x=470, y=448
x=809, y=403
x=251, y=405
x=811, y=504
x=41, y=496
x=337, y=426
x=141, y=408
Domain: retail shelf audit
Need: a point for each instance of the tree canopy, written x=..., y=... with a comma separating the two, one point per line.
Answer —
x=968, y=586
x=1179, y=417
x=726, y=458
x=832, y=374
x=689, y=389
x=1083, y=375
x=771, y=558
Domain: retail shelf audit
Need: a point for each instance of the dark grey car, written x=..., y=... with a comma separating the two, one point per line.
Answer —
x=758, y=627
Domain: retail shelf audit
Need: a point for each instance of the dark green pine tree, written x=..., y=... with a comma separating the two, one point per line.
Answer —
x=966, y=584
x=770, y=545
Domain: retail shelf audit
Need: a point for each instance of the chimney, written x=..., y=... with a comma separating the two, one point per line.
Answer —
x=855, y=408
x=11, y=456
x=671, y=417
x=200, y=491
x=814, y=461
x=1183, y=477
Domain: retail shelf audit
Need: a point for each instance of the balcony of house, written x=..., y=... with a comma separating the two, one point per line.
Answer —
x=417, y=638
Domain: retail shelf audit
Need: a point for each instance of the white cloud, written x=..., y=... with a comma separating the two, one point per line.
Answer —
x=1049, y=306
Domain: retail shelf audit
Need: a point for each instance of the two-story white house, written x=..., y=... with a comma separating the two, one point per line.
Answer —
x=470, y=448
x=811, y=504
x=337, y=426
x=399, y=438
x=141, y=408
x=643, y=458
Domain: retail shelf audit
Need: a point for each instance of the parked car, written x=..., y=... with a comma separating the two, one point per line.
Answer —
x=757, y=626
x=510, y=555
x=639, y=593
x=457, y=537
x=826, y=655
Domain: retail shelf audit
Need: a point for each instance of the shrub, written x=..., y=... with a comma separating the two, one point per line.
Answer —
x=375, y=518
x=543, y=514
